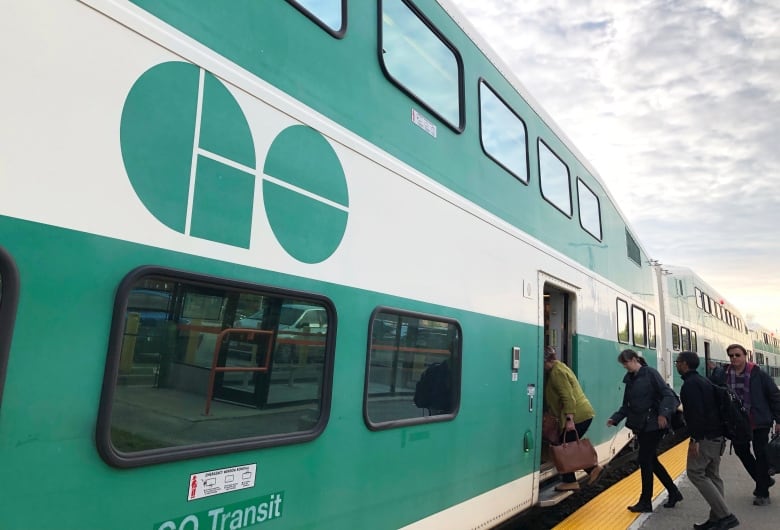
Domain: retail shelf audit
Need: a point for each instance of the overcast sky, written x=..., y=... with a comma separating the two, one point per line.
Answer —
x=676, y=104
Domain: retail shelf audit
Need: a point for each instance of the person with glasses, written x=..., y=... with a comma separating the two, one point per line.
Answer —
x=648, y=405
x=761, y=398
x=706, y=442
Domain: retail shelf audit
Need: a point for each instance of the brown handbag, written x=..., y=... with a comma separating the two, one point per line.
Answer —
x=571, y=456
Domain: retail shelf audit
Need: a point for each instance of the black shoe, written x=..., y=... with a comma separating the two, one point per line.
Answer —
x=706, y=525
x=730, y=521
x=641, y=507
x=771, y=483
x=674, y=497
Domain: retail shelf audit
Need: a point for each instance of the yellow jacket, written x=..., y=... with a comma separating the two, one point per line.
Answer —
x=563, y=395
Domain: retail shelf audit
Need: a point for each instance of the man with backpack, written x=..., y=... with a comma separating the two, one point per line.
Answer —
x=707, y=442
x=761, y=398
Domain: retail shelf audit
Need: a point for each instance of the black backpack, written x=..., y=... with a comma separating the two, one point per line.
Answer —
x=433, y=390
x=734, y=419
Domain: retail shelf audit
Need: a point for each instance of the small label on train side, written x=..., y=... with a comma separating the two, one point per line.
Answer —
x=229, y=517
x=423, y=123
x=220, y=481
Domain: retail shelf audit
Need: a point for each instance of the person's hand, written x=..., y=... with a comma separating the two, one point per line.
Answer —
x=693, y=449
x=610, y=423
x=662, y=423
x=570, y=425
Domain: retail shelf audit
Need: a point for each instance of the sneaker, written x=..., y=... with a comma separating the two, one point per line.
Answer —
x=762, y=501
x=567, y=486
x=594, y=475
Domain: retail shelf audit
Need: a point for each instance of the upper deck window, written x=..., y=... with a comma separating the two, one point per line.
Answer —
x=420, y=61
x=590, y=210
x=554, y=179
x=405, y=346
x=632, y=249
x=203, y=366
x=330, y=14
x=502, y=133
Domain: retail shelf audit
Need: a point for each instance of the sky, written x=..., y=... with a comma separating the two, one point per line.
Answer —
x=676, y=104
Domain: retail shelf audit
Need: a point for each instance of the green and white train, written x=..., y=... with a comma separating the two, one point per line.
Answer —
x=233, y=236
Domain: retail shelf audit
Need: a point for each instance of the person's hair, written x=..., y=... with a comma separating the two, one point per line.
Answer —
x=549, y=354
x=626, y=355
x=689, y=358
x=737, y=347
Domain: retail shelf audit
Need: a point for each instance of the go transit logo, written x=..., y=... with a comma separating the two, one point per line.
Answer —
x=190, y=156
x=231, y=517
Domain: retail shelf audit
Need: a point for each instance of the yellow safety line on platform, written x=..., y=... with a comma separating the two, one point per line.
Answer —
x=608, y=510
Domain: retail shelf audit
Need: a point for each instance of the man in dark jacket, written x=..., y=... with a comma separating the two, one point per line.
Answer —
x=761, y=399
x=706, y=443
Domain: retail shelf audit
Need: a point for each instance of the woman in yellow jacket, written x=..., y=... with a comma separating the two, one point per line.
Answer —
x=565, y=399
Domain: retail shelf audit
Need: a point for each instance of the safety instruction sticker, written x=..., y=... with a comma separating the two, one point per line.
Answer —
x=219, y=481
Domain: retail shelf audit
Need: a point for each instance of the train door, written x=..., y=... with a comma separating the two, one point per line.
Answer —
x=558, y=314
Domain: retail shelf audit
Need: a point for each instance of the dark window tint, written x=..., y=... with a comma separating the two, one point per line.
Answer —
x=651, y=340
x=198, y=361
x=694, y=342
x=622, y=321
x=413, y=368
x=421, y=61
x=675, y=337
x=685, y=339
x=632, y=249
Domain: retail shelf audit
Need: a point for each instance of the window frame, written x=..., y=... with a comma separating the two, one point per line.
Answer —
x=456, y=370
x=527, y=178
x=417, y=12
x=337, y=33
x=636, y=310
x=652, y=344
x=600, y=235
x=676, y=346
x=539, y=143
x=9, y=300
x=624, y=304
x=121, y=459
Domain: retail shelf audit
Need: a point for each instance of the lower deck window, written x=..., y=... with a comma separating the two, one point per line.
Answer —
x=200, y=362
x=413, y=368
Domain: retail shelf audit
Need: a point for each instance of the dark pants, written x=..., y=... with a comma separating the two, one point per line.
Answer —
x=569, y=436
x=757, y=465
x=649, y=464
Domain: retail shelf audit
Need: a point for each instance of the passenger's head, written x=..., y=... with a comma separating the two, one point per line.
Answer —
x=631, y=360
x=549, y=354
x=737, y=355
x=687, y=360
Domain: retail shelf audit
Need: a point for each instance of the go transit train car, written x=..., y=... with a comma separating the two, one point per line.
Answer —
x=765, y=349
x=235, y=235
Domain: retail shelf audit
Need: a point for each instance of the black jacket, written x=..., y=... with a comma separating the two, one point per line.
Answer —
x=700, y=407
x=645, y=397
x=764, y=398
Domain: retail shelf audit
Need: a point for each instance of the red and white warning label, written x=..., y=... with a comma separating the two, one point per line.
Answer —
x=219, y=481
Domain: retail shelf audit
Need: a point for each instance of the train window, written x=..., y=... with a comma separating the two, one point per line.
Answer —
x=699, y=299
x=651, y=338
x=203, y=366
x=502, y=133
x=638, y=321
x=590, y=210
x=9, y=294
x=413, y=369
x=420, y=61
x=330, y=14
x=622, y=321
x=632, y=249
x=685, y=338
x=675, y=337
x=554, y=179
x=694, y=342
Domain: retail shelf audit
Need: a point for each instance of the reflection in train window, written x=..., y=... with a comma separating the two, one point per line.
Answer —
x=651, y=340
x=502, y=133
x=675, y=337
x=590, y=211
x=638, y=321
x=405, y=350
x=622, y=321
x=554, y=179
x=420, y=61
x=200, y=362
x=329, y=13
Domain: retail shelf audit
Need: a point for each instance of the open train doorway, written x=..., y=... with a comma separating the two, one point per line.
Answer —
x=558, y=312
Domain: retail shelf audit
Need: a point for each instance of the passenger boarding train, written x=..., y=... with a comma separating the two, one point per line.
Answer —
x=233, y=236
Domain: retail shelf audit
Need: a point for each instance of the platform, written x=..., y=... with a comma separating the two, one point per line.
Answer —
x=608, y=510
